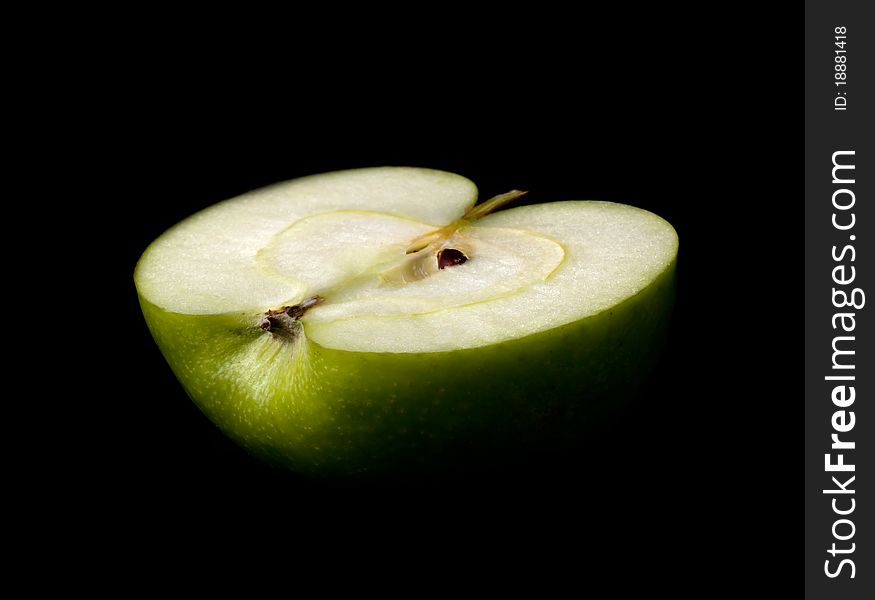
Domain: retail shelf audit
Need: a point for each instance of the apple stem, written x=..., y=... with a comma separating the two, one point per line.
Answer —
x=491, y=205
x=475, y=212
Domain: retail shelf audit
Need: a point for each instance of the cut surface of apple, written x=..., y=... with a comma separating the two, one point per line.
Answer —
x=338, y=236
x=266, y=305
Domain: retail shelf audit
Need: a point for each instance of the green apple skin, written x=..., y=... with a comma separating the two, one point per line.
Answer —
x=328, y=412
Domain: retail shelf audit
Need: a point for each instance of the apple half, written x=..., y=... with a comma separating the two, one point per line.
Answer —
x=377, y=321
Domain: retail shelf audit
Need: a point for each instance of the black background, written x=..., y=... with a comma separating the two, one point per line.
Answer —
x=697, y=117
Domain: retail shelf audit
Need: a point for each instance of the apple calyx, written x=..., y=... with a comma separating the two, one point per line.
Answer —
x=285, y=318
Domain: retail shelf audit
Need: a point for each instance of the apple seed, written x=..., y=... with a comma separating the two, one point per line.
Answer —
x=450, y=257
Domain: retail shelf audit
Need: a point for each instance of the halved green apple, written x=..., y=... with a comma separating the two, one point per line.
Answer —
x=375, y=320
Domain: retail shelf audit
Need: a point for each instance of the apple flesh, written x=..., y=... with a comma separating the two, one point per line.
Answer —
x=371, y=321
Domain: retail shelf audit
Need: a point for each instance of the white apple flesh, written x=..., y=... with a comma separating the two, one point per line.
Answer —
x=313, y=322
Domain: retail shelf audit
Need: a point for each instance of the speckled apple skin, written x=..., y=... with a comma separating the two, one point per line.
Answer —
x=329, y=412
